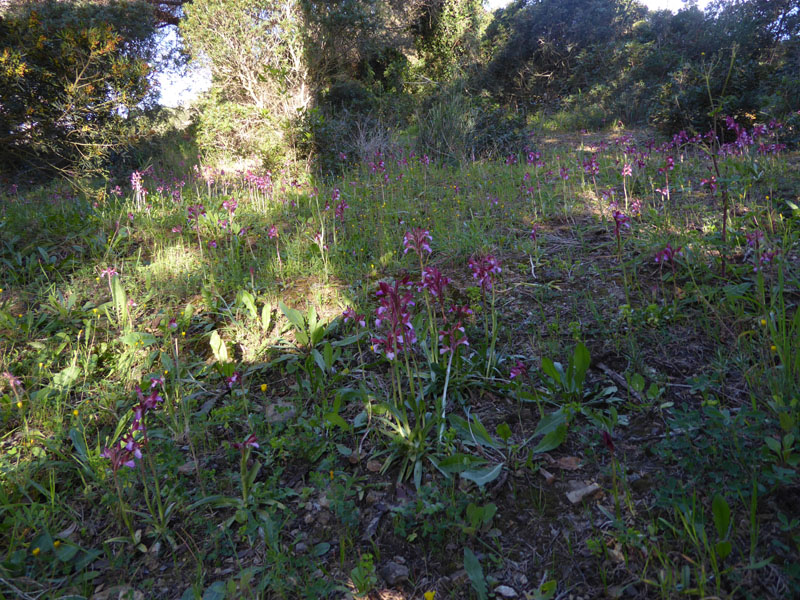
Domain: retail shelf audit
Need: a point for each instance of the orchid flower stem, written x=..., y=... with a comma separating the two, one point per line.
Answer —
x=444, y=396
x=243, y=473
x=434, y=351
x=124, y=509
x=159, y=502
x=615, y=490
x=493, y=341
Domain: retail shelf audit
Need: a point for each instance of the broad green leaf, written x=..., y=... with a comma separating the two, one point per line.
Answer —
x=547, y=590
x=78, y=442
x=475, y=572
x=722, y=515
x=483, y=476
x=723, y=549
x=549, y=424
x=320, y=549
x=481, y=434
x=218, y=348
x=138, y=339
x=216, y=591
x=773, y=444
x=318, y=359
x=266, y=314
x=295, y=316
x=579, y=365
x=458, y=463
x=253, y=473
x=504, y=431
x=637, y=382
x=65, y=378
x=343, y=450
x=337, y=420
x=549, y=369
x=552, y=440
x=66, y=552
x=245, y=298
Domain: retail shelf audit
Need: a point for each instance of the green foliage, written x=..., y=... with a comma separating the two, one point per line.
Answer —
x=475, y=572
x=72, y=78
x=447, y=35
x=254, y=51
x=455, y=127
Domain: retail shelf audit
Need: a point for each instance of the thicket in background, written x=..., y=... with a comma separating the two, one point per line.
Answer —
x=73, y=79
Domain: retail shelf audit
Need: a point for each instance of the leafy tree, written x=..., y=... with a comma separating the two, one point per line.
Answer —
x=254, y=50
x=447, y=36
x=537, y=46
x=71, y=77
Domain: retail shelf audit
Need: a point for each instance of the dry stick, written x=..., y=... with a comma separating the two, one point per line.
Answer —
x=620, y=380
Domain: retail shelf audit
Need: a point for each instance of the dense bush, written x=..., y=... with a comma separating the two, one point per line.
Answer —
x=73, y=76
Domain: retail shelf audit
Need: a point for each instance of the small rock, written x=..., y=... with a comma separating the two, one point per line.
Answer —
x=372, y=497
x=280, y=412
x=188, y=467
x=324, y=518
x=576, y=496
x=374, y=466
x=505, y=591
x=300, y=548
x=394, y=573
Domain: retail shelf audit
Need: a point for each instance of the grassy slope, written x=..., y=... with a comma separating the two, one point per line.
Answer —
x=689, y=367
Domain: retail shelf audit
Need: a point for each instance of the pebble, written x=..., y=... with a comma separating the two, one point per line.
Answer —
x=505, y=591
x=394, y=573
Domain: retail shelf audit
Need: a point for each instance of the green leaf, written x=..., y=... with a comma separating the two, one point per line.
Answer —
x=547, y=590
x=337, y=420
x=475, y=572
x=64, y=379
x=78, y=443
x=579, y=365
x=320, y=549
x=637, y=382
x=504, y=431
x=480, y=433
x=552, y=440
x=483, y=476
x=66, y=552
x=294, y=316
x=219, y=348
x=344, y=450
x=773, y=444
x=722, y=515
x=251, y=476
x=319, y=360
x=247, y=299
x=549, y=424
x=723, y=549
x=549, y=369
x=216, y=591
x=457, y=463
x=266, y=314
